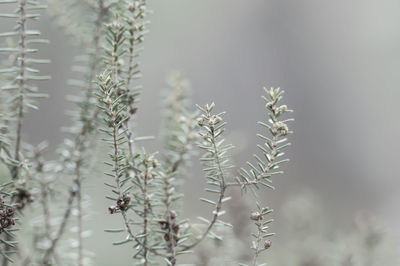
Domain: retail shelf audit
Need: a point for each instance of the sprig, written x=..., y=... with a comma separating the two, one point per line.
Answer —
x=273, y=148
x=115, y=115
x=74, y=150
x=260, y=175
x=261, y=241
x=180, y=134
x=22, y=74
x=18, y=86
x=216, y=166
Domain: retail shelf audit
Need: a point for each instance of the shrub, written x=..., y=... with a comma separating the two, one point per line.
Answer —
x=144, y=187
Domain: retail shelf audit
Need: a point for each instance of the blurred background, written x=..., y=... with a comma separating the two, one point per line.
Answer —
x=338, y=62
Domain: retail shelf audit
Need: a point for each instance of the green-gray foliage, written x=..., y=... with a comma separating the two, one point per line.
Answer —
x=144, y=188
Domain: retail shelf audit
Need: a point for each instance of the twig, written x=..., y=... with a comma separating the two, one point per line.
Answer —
x=258, y=241
x=118, y=181
x=76, y=188
x=223, y=188
x=145, y=218
x=21, y=84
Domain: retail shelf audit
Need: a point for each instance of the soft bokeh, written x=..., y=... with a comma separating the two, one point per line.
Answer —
x=338, y=62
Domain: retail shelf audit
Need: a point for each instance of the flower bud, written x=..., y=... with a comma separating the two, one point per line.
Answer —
x=255, y=216
x=269, y=105
x=283, y=108
x=200, y=121
x=267, y=244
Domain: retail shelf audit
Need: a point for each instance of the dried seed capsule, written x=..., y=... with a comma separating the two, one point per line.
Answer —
x=5, y=223
x=112, y=209
x=270, y=105
x=267, y=244
x=127, y=199
x=10, y=212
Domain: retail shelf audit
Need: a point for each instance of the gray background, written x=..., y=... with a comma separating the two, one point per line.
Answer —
x=338, y=62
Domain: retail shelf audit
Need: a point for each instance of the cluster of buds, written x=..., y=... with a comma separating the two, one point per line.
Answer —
x=140, y=7
x=151, y=161
x=115, y=25
x=211, y=120
x=281, y=128
x=6, y=218
x=256, y=216
x=169, y=226
x=122, y=204
x=22, y=197
x=277, y=110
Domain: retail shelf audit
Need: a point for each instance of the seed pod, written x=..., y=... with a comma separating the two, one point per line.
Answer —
x=176, y=229
x=112, y=209
x=10, y=212
x=267, y=244
x=5, y=223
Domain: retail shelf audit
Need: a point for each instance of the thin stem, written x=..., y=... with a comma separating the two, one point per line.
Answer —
x=76, y=188
x=171, y=235
x=129, y=137
x=49, y=252
x=20, y=105
x=114, y=77
x=258, y=241
x=132, y=24
x=171, y=247
x=223, y=188
x=45, y=208
x=118, y=183
x=21, y=84
x=102, y=11
x=145, y=218
x=79, y=208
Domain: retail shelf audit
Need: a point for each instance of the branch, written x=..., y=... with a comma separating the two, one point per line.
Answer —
x=75, y=190
x=216, y=163
x=21, y=84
